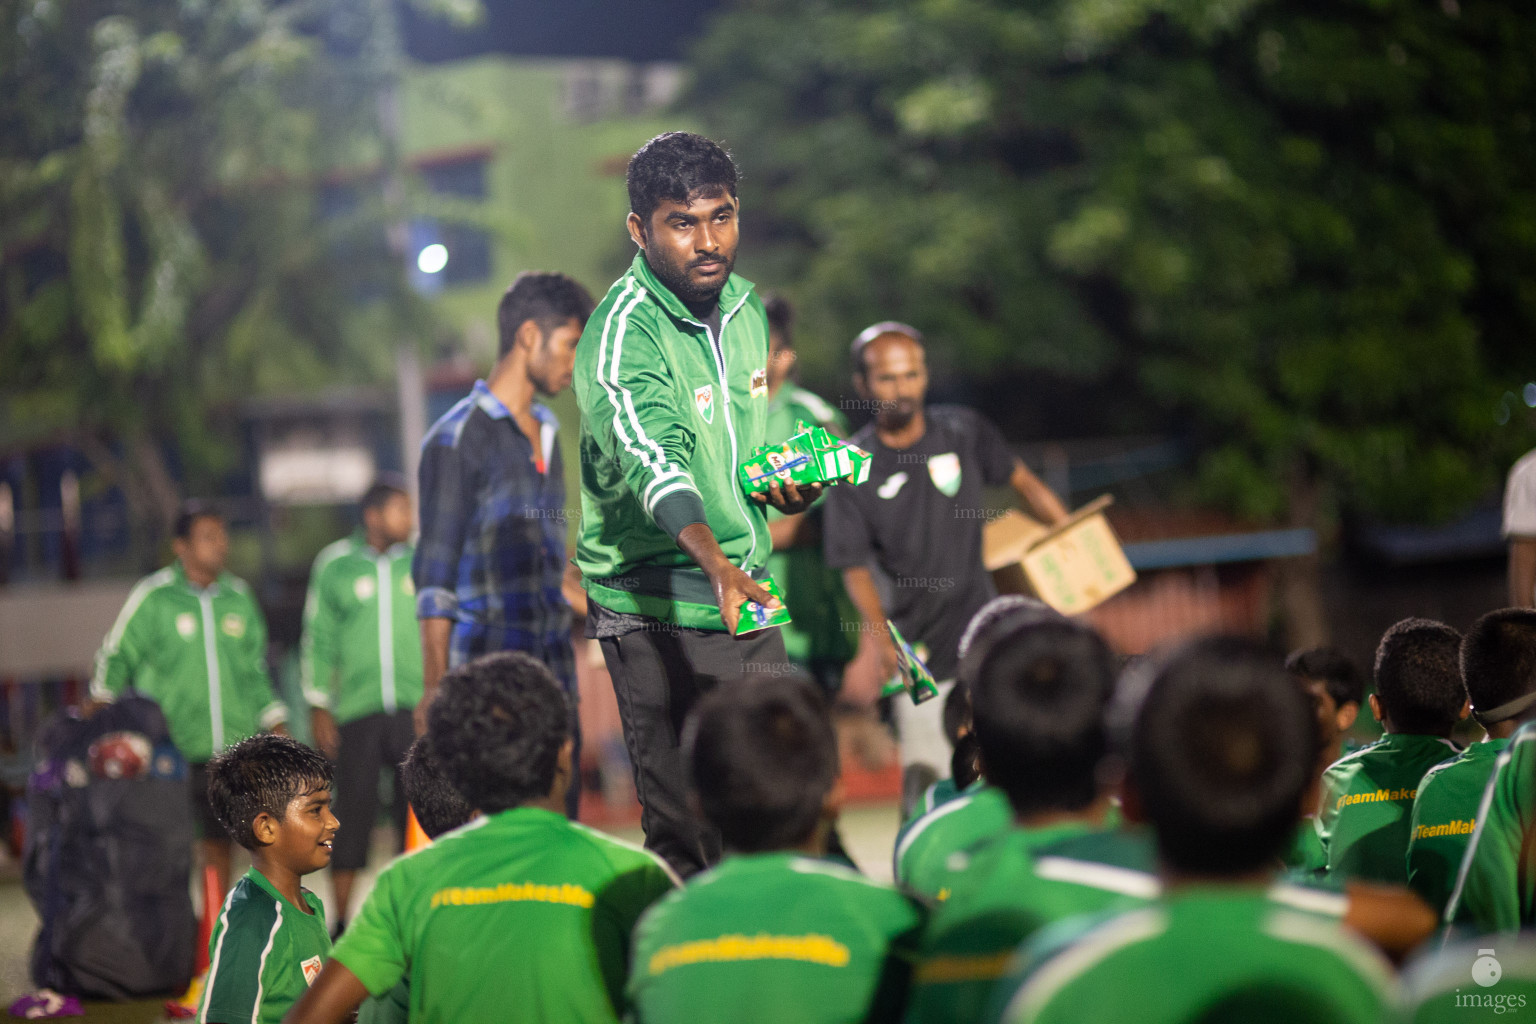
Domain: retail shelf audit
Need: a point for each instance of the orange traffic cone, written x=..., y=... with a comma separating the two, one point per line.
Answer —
x=213, y=903
x=415, y=836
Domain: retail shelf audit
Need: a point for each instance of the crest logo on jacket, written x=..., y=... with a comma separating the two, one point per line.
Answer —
x=186, y=625
x=945, y=472
x=759, y=381
x=363, y=588
x=233, y=625
x=311, y=969
x=704, y=401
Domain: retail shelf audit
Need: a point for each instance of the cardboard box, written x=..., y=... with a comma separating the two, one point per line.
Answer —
x=1072, y=566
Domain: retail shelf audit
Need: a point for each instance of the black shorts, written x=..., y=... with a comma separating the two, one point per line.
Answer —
x=208, y=824
x=369, y=745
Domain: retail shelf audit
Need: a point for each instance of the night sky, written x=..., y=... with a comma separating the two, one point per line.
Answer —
x=636, y=29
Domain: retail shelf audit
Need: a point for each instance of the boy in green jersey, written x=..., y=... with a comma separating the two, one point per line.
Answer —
x=775, y=933
x=361, y=669
x=1040, y=692
x=273, y=795
x=976, y=811
x=1496, y=887
x=1365, y=814
x=519, y=912
x=1498, y=666
x=1336, y=687
x=192, y=638
x=1220, y=747
x=439, y=808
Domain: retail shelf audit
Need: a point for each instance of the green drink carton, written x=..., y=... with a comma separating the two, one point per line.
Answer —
x=755, y=616
x=810, y=456
x=912, y=675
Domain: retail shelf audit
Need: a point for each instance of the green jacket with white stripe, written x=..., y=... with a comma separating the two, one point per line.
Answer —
x=361, y=652
x=668, y=413
x=201, y=654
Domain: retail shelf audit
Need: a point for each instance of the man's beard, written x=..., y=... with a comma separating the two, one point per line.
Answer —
x=677, y=282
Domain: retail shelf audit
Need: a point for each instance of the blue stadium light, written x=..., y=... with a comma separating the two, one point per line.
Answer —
x=432, y=259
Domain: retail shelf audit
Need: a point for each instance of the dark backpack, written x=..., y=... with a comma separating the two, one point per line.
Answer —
x=108, y=857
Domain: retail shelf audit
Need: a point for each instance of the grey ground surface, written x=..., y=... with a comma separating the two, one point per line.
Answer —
x=868, y=832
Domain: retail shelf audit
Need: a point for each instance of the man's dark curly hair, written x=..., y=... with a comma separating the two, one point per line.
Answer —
x=496, y=727
x=262, y=774
x=676, y=166
x=438, y=806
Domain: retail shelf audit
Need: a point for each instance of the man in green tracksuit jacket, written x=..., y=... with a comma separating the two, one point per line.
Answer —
x=192, y=638
x=672, y=381
x=362, y=670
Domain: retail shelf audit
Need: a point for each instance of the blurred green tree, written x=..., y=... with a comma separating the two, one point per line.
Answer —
x=1307, y=231
x=191, y=212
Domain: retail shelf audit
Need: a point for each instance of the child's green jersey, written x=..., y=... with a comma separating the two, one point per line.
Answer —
x=1444, y=814
x=924, y=844
x=361, y=652
x=198, y=652
x=1007, y=888
x=1367, y=804
x=263, y=954
x=1209, y=953
x=774, y=937
x=522, y=914
x=1496, y=887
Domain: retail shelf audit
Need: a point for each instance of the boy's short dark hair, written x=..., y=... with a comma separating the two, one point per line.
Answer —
x=189, y=512
x=1338, y=673
x=438, y=806
x=781, y=318
x=1038, y=696
x=496, y=727
x=1498, y=663
x=674, y=167
x=1222, y=749
x=762, y=757
x=547, y=298
x=1418, y=676
x=385, y=486
x=262, y=775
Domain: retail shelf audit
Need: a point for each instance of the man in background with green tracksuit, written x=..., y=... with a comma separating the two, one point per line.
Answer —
x=192, y=638
x=361, y=670
x=672, y=381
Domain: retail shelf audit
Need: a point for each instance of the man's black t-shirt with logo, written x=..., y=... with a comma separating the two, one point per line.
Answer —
x=918, y=519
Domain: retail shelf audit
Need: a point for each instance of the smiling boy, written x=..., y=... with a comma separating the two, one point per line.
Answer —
x=273, y=795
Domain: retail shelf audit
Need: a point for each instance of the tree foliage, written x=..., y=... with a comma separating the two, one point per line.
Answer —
x=190, y=213
x=1308, y=229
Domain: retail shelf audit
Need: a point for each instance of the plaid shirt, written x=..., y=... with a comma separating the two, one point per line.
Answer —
x=492, y=547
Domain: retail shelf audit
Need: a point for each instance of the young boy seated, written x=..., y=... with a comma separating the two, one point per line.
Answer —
x=272, y=794
x=1040, y=692
x=1496, y=888
x=438, y=808
x=774, y=933
x=1336, y=687
x=1220, y=751
x=520, y=912
x=1367, y=802
x=958, y=818
x=1498, y=666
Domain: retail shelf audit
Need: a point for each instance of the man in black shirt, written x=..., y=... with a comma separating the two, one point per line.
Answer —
x=918, y=519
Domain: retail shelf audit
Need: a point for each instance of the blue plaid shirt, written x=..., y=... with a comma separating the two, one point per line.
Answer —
x=492, y=547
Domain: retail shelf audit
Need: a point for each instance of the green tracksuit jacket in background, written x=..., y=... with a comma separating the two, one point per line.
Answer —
x=361, y=653
x=1496, y=887
x=1367, y=805
x=668, y=413
x=200, y=654
x=1444, y=814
